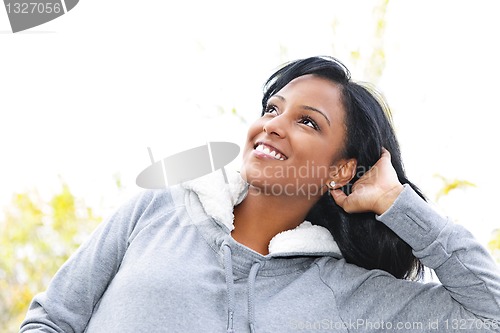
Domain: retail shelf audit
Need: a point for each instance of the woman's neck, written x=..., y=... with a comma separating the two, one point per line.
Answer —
x=258, y=218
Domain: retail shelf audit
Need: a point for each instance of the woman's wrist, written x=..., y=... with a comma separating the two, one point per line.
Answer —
x=387, y=199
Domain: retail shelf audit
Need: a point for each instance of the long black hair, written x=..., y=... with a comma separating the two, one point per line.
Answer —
x=362, y=239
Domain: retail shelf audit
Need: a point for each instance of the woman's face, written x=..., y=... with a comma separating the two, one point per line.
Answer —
x=294, y=148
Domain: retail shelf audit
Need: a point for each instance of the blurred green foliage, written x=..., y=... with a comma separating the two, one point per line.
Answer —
x=36, y=237
x=451, y=184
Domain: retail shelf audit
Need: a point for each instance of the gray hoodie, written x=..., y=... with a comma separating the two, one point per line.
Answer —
x=166, y=262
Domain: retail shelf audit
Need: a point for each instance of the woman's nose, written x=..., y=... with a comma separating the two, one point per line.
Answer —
x=276, y=126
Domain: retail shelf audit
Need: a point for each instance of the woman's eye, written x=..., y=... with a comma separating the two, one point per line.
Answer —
x=271, y=109
x=308, y=121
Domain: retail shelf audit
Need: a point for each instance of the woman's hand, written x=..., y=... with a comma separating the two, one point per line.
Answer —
x=374, y=192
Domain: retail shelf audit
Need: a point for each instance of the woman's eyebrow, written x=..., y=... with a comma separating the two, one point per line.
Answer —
x=306, y=107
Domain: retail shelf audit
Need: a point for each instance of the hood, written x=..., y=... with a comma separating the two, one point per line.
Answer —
x=218, y=200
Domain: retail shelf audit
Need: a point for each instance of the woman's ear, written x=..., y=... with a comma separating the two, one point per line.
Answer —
x=344, y=172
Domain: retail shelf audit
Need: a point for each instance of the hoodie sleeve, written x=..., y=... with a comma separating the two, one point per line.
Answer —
x=68, y=302
x=470, y=278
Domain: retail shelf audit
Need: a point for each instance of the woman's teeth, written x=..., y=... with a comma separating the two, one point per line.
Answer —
x=270, y=152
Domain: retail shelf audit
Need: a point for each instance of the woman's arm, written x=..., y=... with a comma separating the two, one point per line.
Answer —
x=68, y=302
x=464, y=267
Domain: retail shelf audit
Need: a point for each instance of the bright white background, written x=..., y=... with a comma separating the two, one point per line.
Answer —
x=83, y=96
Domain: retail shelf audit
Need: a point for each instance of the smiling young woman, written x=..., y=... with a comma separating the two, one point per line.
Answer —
x=321, y=230
x=303, y=118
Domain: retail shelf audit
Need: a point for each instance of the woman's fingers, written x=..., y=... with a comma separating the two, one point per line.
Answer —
x=374, y=192
x=358, y=201
x=339, y=196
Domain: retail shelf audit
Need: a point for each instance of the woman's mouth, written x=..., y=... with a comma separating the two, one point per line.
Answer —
x=270, y=151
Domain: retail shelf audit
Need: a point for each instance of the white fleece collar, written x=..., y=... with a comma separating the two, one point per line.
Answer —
x=218, y=200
